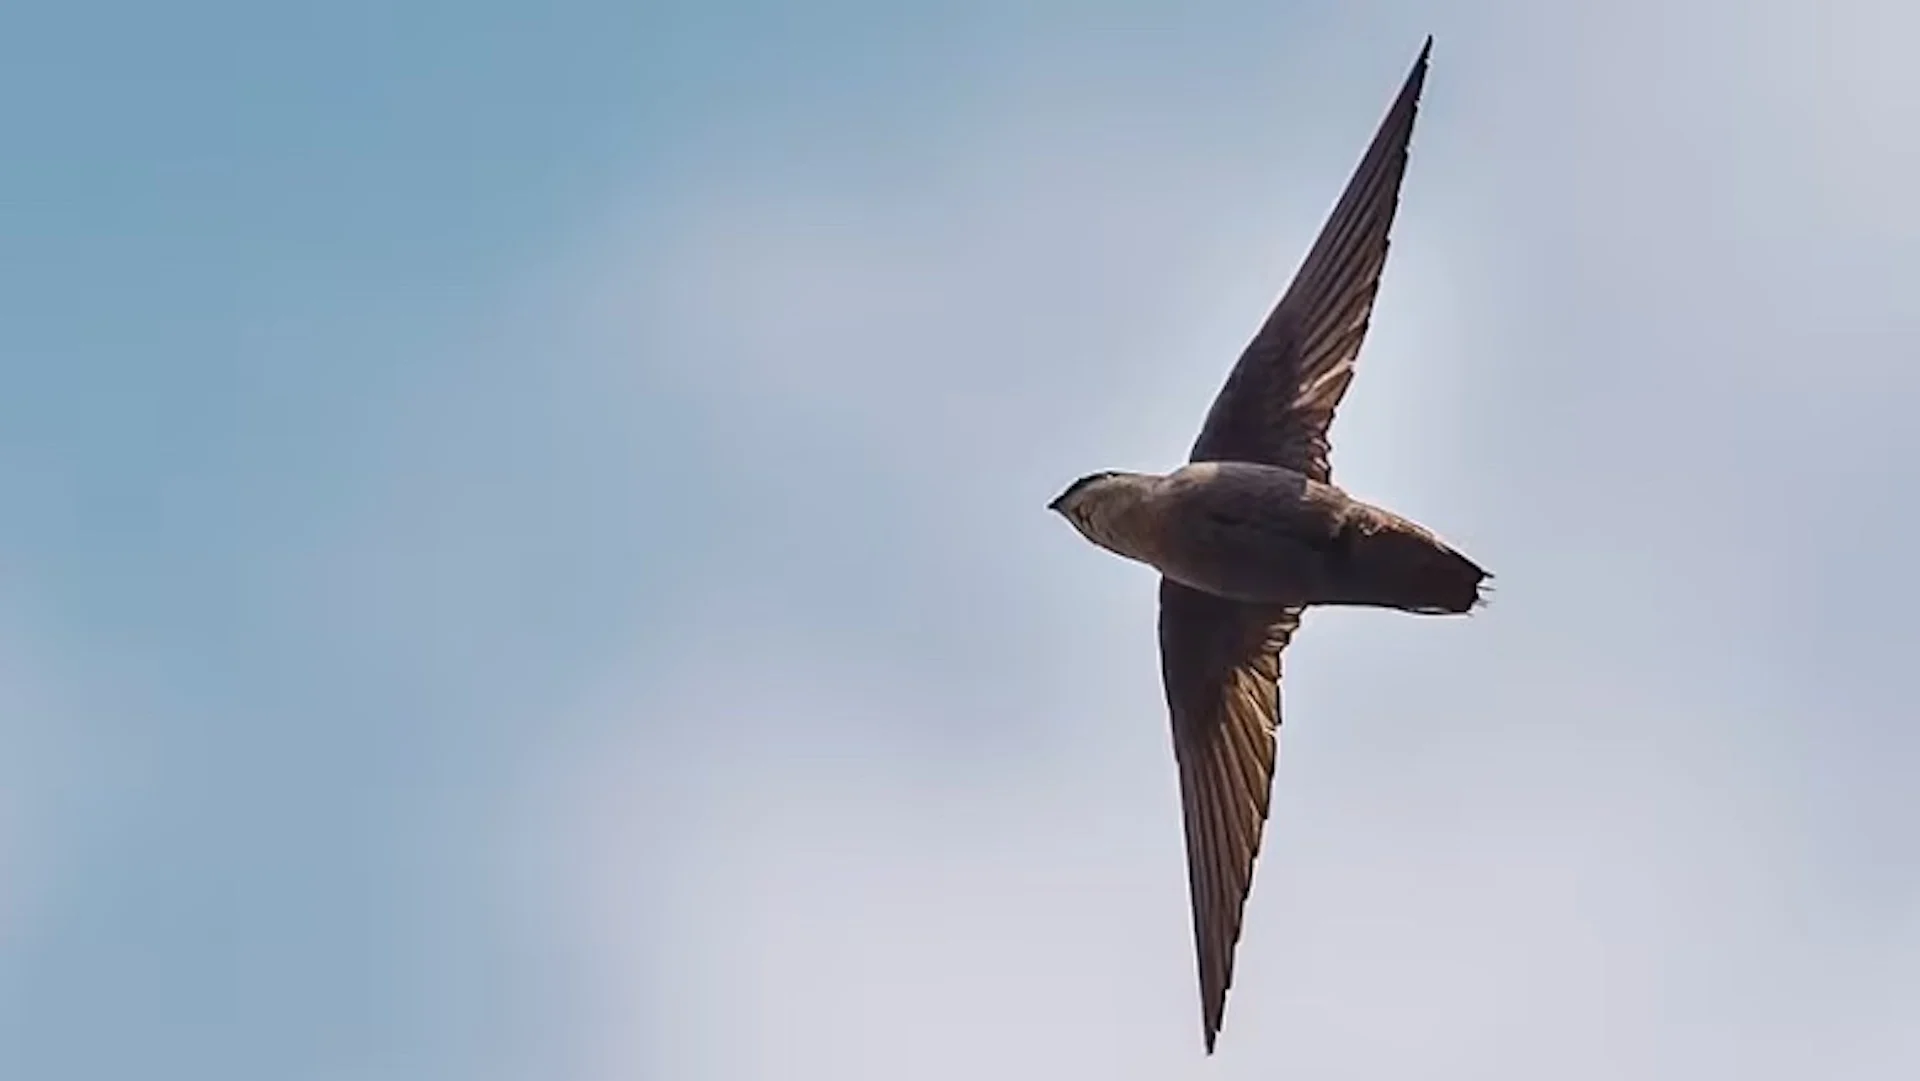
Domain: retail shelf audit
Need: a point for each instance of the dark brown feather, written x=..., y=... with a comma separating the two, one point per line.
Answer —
x=1220, y=659
x=1221, y=670
x=1279, y=400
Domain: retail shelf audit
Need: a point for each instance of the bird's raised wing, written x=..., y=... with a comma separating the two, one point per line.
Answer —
x=1220, y=663
x=1279, y=400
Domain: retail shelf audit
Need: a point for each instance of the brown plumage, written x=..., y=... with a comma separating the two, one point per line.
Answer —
x=1253, y=532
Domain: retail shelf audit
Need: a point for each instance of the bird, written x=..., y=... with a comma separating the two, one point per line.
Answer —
x=1252, y=531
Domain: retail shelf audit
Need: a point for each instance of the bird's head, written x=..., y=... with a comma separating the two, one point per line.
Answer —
x=1093, y=499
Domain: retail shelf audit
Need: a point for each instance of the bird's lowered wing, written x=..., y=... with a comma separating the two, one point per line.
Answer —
x=1220, y=659
x=1220, y=662
x=1278, y=402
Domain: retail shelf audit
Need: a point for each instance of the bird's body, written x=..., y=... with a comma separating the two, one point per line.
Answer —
x=1262, y=534
x=1253, y=531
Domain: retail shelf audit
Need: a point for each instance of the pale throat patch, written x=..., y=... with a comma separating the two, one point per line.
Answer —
x=1105, y=519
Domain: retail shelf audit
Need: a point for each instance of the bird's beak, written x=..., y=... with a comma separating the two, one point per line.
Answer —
x=1055, y=505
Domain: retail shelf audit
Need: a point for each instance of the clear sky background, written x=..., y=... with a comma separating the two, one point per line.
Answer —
x=523, y=552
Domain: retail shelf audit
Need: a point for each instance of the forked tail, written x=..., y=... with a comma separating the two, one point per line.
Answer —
x=1403, y=566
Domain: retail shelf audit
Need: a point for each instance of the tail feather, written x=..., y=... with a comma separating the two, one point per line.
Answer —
x=1403, y=566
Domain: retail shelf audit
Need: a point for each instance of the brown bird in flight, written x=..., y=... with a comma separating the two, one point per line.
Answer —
x=1252, y=531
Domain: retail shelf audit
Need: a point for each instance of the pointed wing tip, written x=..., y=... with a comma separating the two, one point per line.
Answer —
x=1213, y=1010
x=1417, y=78
x=1213, y=1005
x=1396, y=128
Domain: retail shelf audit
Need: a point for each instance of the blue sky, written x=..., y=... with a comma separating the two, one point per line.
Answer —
x=522, y=548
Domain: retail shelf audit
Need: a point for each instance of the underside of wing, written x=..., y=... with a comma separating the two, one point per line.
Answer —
x=1278, y=403
x=1220, y=663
